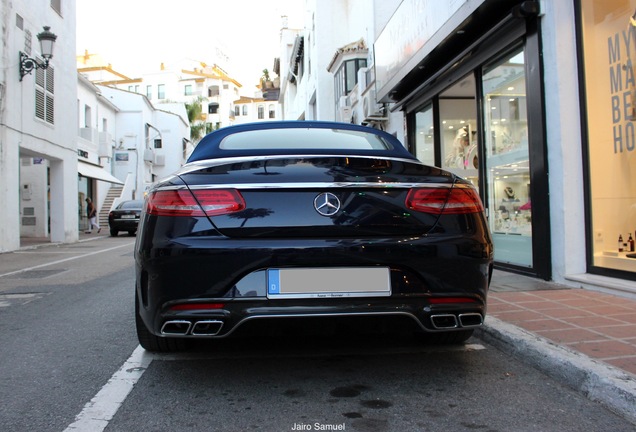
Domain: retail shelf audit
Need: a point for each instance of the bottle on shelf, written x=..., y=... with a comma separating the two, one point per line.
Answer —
x=620, y=242
x=630, y=243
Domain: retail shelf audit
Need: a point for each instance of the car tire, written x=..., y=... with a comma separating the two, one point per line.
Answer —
x=152, y=343
x=446, y=337
x=132, y=233
x=113, y=233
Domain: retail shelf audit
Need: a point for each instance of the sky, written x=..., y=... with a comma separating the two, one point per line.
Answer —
x=136, y=36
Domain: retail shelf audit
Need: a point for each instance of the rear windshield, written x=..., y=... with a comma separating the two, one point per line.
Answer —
x=300, y=138
x=131, y=205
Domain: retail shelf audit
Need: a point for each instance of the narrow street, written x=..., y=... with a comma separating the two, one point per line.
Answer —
x=70, y=361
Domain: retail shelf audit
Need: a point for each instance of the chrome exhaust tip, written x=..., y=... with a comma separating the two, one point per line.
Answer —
x=444, y=321
x=177, y=327
x=207, y=328
x=473, y=319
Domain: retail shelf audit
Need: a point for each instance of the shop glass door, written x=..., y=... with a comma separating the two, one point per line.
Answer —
x=458, y=130
x=507, y=160
x=425, y=136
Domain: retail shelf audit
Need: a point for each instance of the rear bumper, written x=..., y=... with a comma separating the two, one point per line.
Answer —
x=222, y=323
x=232, y=273
x=124, y=224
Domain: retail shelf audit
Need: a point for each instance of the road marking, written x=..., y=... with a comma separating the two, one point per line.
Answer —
x=102, y=408
x=82, y=255
x=7, y=299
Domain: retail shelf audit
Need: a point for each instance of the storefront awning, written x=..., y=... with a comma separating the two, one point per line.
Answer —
x=96, y=172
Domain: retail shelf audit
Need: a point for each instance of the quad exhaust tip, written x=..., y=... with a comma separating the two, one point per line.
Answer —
x=184, y=328
x=471, y=319
x=176, y=327
x=207, y=328
x=451, y=321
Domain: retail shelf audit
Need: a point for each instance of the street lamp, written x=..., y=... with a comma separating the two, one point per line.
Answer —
x=47, y=40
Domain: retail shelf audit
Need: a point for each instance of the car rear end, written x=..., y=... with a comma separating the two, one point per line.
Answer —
x=213, y=255
x=125, y=217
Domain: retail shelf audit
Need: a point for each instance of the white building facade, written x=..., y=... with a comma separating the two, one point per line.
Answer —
x=531, y=101
x=38, y=167
x=97, y=117
x=210, y=86
x=149, y=143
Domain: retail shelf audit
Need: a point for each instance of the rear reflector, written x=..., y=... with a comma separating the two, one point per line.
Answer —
x=451, y=300
x=196, y=306
x=455, y=200
x=209, y=202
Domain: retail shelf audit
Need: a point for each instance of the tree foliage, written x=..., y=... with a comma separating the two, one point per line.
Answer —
x=197, y=127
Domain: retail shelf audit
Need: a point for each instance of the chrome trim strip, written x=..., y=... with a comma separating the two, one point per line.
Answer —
x=316, y=185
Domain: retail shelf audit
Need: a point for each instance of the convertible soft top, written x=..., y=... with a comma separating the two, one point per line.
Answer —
x=298, y=137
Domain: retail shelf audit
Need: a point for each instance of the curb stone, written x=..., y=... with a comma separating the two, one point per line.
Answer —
x=599, y=382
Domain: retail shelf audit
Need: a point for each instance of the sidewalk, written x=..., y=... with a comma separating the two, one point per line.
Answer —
x=584, y=338
x=599, y=325
x=36, y=242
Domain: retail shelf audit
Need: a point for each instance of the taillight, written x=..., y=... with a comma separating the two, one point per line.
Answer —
x=455, y=200
x=208, y=202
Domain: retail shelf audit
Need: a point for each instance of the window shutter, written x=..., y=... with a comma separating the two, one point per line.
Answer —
x=39, y=103
x=44, y=94
x=39, y=77
x=50, y=80
x=50, y=110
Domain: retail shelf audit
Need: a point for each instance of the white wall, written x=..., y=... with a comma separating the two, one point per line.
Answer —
x=22, y=135
x=564, y=140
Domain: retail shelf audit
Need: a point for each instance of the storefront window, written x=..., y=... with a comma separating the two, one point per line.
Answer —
x=424, y=136
x=458, y=130
x=609, y=52
x=507, y=160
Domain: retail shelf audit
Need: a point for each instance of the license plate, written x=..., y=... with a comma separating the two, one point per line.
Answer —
x=332, y=282
x=127, y=216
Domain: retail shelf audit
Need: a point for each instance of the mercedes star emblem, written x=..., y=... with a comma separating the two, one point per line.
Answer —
x=327, y=204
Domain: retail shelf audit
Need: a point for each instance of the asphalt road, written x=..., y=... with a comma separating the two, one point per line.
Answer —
x=69, y=360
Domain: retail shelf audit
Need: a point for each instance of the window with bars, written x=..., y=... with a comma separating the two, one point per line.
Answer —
x=44, y=94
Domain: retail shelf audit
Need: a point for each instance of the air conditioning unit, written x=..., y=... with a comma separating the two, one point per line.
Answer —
x=344, y=114
x=105, y=140
x=160, y=159
x=149, y=155
x=371, y=110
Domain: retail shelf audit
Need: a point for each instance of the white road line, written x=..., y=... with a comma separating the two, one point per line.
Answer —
x=83, y=255
x=102, y=408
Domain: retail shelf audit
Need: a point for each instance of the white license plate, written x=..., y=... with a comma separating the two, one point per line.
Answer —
x=332, y=282
x=127, y=216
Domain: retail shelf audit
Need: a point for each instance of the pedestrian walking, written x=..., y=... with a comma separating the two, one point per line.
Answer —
x=91, y=211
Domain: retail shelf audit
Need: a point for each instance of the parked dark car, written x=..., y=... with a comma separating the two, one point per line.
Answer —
x=308, y=219
x=125, y=217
